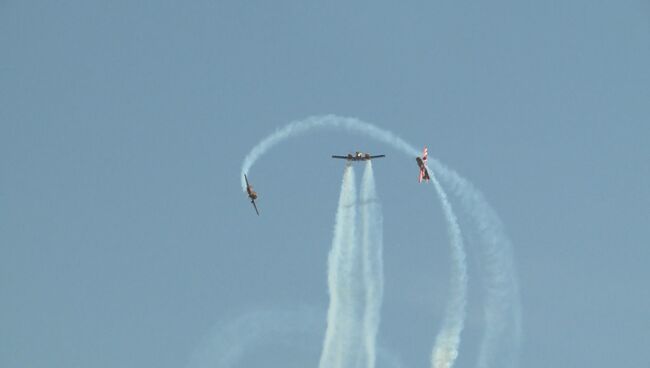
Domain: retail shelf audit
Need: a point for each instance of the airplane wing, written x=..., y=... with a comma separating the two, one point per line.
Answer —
x=246, y=178
x=342, y=157
x=254, y=205
x=378, y=156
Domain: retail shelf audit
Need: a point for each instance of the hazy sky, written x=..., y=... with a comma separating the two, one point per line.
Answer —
x=125, y=237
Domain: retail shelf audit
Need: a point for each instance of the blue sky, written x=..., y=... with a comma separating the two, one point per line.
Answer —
x=125, y=238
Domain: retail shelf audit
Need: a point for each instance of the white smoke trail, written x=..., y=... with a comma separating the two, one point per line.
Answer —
x=502, y=310
x=445, y=350
x=342, y=343
x=373, y=272
x=230, y=340
x=297, y=327
x=502, y=304
x=297, y=128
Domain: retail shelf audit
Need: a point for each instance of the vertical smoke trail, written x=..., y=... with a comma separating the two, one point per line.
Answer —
x=502, y=304
x=445, y=349
x=342, y=347
x=373, y=272
x=502, y=308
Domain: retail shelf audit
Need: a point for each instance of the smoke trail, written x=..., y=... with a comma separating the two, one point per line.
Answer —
x=502, y=310
x=342, y=344
x=229, y=342
x=295, y=327
x=502, y=304
x=297, y=128
x=445, y=349
x=373, y=272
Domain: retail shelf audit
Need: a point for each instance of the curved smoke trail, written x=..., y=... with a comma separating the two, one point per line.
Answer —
x=373, y=268
x=295, y=327
x=502, y=305
x=502, y=310
x=297, y=128
x=445, y=349
x=342, y=346
x=230, y=341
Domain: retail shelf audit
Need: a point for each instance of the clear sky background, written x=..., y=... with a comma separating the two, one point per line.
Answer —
x=125, y=237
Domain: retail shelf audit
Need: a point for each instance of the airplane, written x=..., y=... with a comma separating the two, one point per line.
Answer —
x=251, y=194
x=422, y=163
x=358, y=156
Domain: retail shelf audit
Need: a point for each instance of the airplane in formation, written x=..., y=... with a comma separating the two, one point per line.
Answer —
x=251, y=194
x=358, y=156
x=422, y=163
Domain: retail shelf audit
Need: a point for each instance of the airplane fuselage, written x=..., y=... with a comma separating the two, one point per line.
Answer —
x=358, y=156
x=424, y=173
x=251, y=193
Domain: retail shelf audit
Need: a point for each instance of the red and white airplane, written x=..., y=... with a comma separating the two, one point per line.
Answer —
x=422, y=162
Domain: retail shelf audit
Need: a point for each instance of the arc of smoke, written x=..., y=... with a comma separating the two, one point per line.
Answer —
x=373, y=268
x=502, y=310
x=300, y=127
x=502, y=292
x=341, y=346
x=298, y=326
x=445, y=349
x=230, y=340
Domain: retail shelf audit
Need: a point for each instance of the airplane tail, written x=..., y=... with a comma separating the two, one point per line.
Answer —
x=424, y=175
